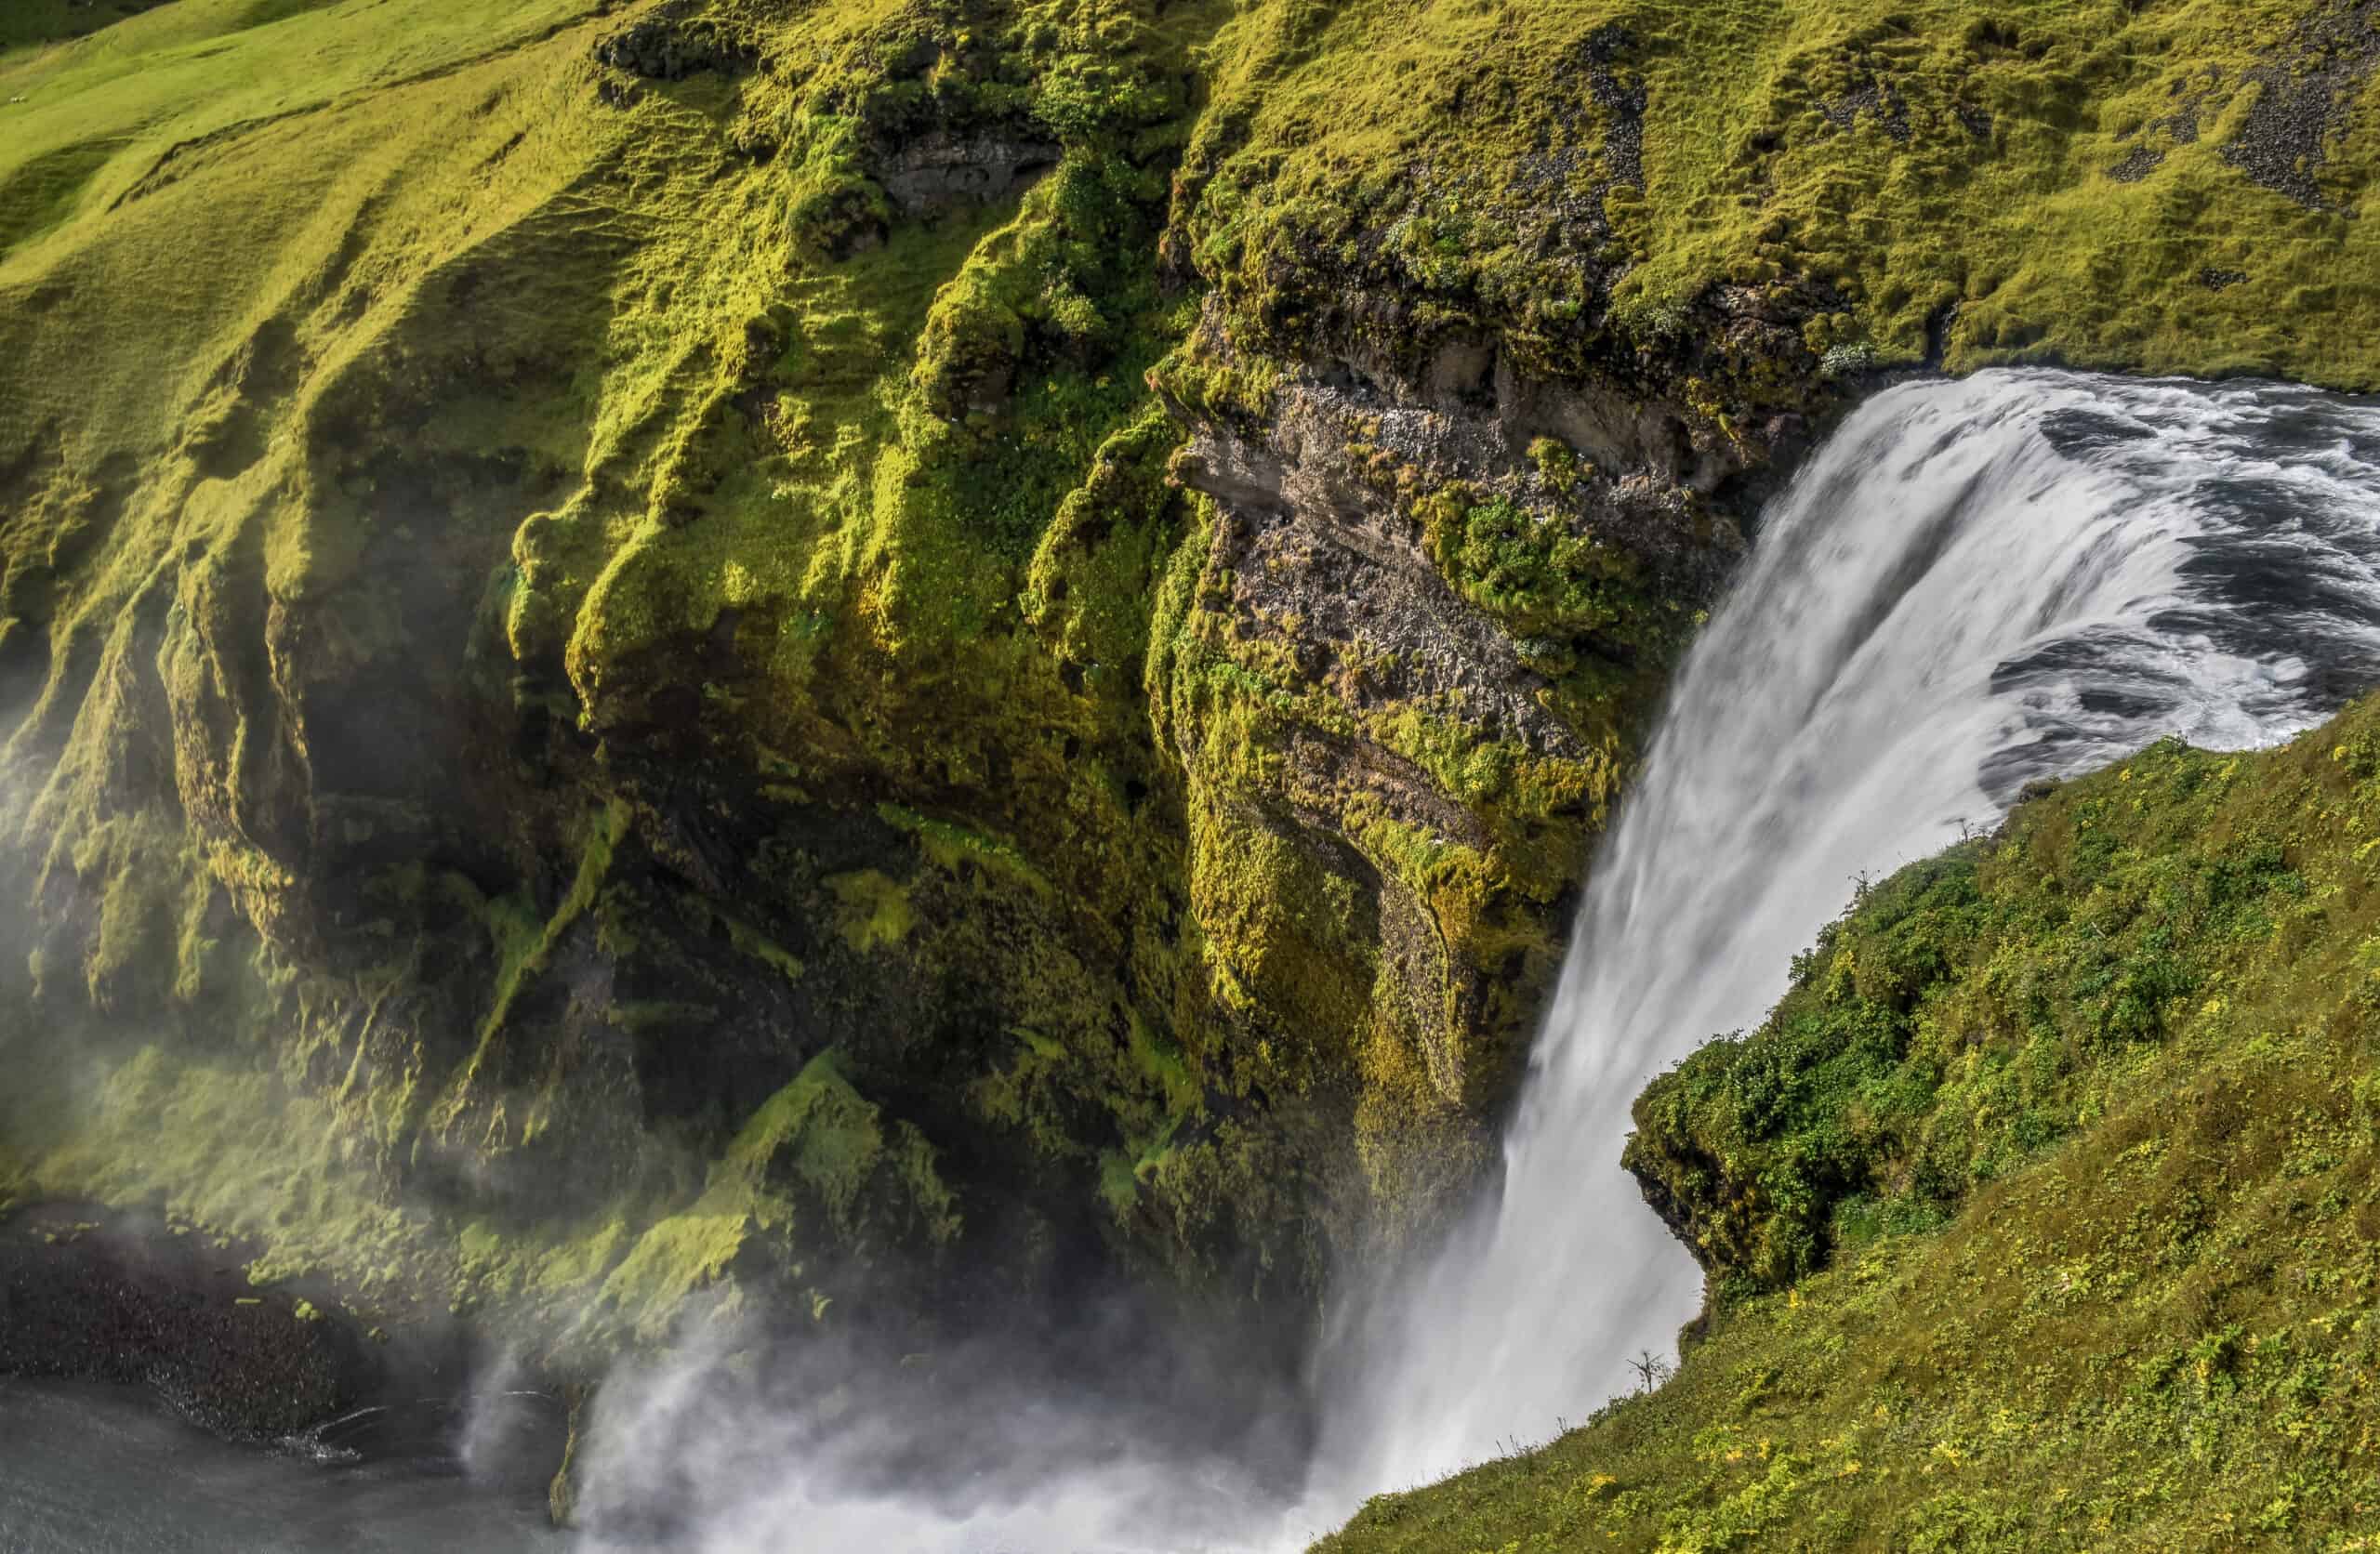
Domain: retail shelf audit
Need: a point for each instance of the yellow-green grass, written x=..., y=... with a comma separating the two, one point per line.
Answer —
x=1911, y=156
x=391, y=243
x=226, y=1148
x=869, y=510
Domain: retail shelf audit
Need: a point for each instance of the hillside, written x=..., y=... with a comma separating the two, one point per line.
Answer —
x=765, y=650
x=2039, y=1215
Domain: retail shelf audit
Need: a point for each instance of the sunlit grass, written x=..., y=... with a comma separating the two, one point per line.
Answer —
x=2042, y=1212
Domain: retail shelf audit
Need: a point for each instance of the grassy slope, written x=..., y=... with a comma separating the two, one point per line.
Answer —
x=1913, y=157
x=289, y=238
x=428, y=243
x=2039, y=1215
x=311, y=301
x=1603, y=187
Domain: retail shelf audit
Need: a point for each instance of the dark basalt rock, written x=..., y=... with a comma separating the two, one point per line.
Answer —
x=940, y=171
x=86, y=1296
x=2137, y=164
x=90, y=1294
x=668, y=46
x=1873, y=101
x=2306, y=96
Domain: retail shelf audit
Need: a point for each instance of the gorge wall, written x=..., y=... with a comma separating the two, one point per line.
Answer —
x=732, y=650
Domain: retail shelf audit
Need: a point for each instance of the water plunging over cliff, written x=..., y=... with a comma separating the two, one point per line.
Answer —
x=1974, y=583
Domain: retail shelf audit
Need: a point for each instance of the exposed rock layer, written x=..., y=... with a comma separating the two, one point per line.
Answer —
x=772, y=653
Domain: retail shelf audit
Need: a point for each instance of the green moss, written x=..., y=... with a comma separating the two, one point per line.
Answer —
x=522, y=945
x=740, y=514
x=950, y=847
x=561, y=1491
x=753, y=943
x=814, y=1146
x=874, y=910
x=816, y=1151
x=1527, y=572
x=1558, y=464
x=1579, y=177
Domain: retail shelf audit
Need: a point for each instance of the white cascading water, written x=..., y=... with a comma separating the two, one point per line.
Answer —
x=1973, y=584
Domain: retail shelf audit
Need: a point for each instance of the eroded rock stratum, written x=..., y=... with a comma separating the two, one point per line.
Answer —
x=715, y=647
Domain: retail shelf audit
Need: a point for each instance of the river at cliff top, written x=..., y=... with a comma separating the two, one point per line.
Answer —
x=92, y=1469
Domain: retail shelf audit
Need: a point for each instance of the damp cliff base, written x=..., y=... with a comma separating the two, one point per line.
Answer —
x=863, y=662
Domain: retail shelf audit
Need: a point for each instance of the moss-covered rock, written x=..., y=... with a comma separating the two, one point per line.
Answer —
x=1101, y=561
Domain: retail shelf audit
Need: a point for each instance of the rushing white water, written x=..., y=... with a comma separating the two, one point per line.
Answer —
x=1973, y=584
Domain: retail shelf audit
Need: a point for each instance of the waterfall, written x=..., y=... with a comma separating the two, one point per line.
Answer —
x=1973, y=584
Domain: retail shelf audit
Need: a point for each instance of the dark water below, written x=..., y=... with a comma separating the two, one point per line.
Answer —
x=88, y=1466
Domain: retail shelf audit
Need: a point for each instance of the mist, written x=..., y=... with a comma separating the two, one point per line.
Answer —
x=730, y=1444
x=2077, y=567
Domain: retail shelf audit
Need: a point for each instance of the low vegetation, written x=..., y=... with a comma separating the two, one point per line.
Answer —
x=565, y=562
x=2164, y=186
x=2039, y=1215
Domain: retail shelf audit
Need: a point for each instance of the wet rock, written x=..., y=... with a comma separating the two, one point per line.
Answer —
x=93, y=1294
x=1321, y=564
x=561, y=1491
x=86, y=1296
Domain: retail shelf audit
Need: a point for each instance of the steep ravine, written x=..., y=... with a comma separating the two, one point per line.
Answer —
x=1160, y=877
x=878, y=664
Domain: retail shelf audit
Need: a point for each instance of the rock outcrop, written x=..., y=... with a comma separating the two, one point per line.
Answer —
x=754, y=652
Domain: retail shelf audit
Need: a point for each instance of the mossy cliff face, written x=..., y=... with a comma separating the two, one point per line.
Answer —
x=624, y=693
x=651, y=648
x=2041, y=1212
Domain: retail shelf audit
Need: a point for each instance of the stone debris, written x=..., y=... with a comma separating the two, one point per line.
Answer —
x=2306, y=96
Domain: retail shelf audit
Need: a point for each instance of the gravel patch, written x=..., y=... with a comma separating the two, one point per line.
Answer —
x=2307, y=94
